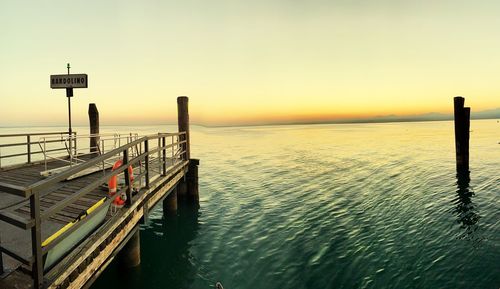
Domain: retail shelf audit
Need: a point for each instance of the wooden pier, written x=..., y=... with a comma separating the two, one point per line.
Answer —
x=58, y=225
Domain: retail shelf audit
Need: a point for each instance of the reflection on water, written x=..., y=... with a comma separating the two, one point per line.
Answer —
x=465, y=209
x=174, y=243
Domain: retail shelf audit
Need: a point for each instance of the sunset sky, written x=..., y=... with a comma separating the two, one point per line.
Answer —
x=247, y=62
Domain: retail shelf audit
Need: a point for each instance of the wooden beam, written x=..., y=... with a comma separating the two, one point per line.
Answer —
x=16, y=220
x=13, y=189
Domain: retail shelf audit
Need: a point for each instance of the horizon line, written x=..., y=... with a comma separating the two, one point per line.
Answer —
x=319, y=122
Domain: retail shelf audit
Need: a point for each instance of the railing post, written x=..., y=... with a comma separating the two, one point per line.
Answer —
x=183, y=123
x=164, y=153
x=139, y=151
x=75, y=144
x=146, y=160
x=159, y=154
x=45, y=152
x=128, y=183
x=36, y=240
x=28, y=141
x=70, y=151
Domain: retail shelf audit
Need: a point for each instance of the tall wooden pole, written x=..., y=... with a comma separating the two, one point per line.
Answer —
x=94, y=129
x=190, y=186
x=462, y=135
x=183, y=122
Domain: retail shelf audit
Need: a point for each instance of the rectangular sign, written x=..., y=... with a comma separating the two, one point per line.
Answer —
x=69, y=81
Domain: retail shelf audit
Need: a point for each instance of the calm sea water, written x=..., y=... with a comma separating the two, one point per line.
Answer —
x=329, y=206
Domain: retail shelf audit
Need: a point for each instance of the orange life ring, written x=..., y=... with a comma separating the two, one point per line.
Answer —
x=112, y=184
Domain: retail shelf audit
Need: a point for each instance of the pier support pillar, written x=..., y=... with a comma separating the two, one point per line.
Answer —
x=192, y=182
x=130, y=255
x=462, y=135
x=187, y=188
x=182, y=189
x=170, y=204
x=183, y=123
x=94, y=129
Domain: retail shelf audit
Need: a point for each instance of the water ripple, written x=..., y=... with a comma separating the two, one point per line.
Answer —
x=334, y=206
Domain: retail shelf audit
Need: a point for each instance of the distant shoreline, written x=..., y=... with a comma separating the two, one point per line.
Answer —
x=360, y=121
x=348, y=122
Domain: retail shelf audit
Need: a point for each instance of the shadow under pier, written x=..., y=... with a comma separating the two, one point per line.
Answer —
x=165, y=251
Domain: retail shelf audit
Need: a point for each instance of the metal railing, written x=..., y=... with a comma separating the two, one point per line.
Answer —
x=12, y=144
x=168, y=150
x=78, y=148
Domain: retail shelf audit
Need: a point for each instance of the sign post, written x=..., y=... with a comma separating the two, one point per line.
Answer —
x=69, y=81
x=69, y=94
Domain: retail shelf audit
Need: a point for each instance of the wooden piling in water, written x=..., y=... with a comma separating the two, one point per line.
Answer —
x=192, y=181
x=130, y=255
x=183, y=122
x=170, y=203
x=182, y=190
x=94, y=128
x=462, y=135
x=187, y=189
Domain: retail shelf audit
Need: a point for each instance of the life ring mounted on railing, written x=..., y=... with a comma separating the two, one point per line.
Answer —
x=120, y=200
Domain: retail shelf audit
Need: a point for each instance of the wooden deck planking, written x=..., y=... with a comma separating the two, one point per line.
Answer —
x=28, y=174
x=73, y=210
x=16, y=238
